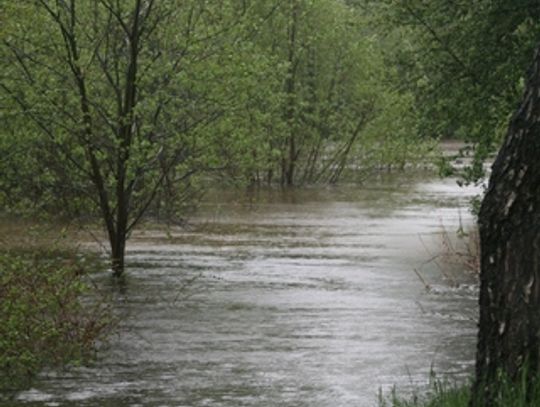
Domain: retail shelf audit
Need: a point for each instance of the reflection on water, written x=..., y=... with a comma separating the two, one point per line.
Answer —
x=296, y=298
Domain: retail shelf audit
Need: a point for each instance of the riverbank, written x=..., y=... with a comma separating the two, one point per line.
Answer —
x=443, y=394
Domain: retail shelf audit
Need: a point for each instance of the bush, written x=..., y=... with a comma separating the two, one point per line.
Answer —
x=43, y=320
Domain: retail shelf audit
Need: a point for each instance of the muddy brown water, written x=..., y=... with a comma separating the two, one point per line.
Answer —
x=301, y=298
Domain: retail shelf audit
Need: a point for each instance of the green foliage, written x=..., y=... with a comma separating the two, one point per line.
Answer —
x=336, y=105
x=119, y=110
x=440, y=395
x=43, y=320
x=104, y=120
x=444, y=394
x=220, y=89
x=464, y=62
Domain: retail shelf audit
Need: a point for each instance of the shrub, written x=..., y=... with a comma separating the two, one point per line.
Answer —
x=44, y=321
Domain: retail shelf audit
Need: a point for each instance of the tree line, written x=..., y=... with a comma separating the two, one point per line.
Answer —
x=117, y=109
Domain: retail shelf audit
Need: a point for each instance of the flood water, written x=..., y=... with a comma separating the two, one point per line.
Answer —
x=301, y=298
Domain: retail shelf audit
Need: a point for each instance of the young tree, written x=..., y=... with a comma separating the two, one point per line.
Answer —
x=116, y=96
x=509, y=328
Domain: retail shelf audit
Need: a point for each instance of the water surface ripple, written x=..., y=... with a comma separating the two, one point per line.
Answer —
x=302, y=298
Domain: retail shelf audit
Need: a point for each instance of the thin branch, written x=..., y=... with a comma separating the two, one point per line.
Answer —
x=445, y=46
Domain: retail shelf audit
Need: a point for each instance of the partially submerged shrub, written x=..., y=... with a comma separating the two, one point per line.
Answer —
x=464, y=252
x=43, y=320
x=458, y=253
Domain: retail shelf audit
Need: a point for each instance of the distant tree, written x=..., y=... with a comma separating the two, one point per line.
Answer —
x=339, y=107
x=509, y=328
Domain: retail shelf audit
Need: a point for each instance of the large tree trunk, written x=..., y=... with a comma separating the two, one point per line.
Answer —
x=509, y=219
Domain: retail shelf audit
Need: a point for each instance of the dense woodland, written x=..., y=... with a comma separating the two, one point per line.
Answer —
x=123, y=109
x=120, y=110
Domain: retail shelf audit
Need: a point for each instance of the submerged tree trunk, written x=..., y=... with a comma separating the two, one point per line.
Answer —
x=290, y=158
x=118, y=253
x=509, y=219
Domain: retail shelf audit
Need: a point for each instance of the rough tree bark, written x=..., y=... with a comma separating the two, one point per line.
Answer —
x=509, y=220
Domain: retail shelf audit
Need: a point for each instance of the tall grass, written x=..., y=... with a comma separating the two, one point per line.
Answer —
x=509, y=394
x=440, y=394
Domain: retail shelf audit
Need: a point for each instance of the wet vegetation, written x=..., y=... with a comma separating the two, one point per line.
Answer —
x=119, y=112
x=44, y=321
x=444, y=394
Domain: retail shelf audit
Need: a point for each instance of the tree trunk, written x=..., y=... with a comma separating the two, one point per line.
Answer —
x=509, y=219
x=118, y=252
x=289, y=165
